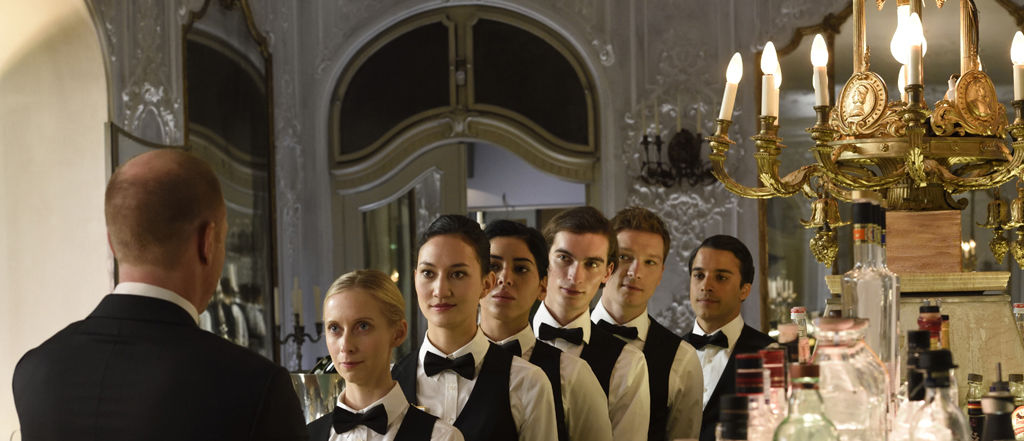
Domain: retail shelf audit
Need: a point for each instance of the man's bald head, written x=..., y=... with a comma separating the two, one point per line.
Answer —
x=155, y=202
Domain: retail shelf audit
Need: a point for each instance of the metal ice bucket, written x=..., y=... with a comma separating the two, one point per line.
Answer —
x=317, y=393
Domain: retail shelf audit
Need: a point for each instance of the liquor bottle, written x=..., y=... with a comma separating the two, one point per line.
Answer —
x=975, y=417
x=944, y=332
x=1018, y=316
x=997, y=405
x=732, y=419
x=774, y=360
x=750, y=382
x=799, y=316
x=890, y=334
x=806, y=420
x=1017, y=390
x=912, y=393
x=940, y=418
x=929, y=319
x=854, y=382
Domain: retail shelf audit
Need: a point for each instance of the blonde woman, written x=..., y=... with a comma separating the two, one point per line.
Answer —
x=364, y=319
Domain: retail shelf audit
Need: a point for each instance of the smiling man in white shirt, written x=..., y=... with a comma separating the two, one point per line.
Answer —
x=676, y=379
x=457, y=374
x=582, y=248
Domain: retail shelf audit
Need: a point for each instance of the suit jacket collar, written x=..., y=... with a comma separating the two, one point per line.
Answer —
x=133, y=307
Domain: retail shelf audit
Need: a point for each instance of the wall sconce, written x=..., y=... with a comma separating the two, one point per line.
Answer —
x=682, y=161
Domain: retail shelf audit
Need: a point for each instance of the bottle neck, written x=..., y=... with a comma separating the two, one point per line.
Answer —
x=862, y=249
x=938, y=387
x=805, y=398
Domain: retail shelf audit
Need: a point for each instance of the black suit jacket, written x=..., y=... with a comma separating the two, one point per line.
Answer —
x=139, y=368
x=750, y=340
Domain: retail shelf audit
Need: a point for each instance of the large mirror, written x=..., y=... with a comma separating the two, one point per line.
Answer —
x=791, y=276
x=228, y=108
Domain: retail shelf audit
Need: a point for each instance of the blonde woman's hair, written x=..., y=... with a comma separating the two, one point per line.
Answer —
x=378, y=285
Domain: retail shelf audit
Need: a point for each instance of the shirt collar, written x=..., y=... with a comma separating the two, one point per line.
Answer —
x=394, y=402
x=156, y=292
x=478, y=346
x=544, y=316
x=642, y=322
x=526, y=338
x=732, y=330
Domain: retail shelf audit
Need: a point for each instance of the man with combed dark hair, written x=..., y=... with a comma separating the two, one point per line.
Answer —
x=519, y=259
x=721, y=274
x=458, y=375
x=139, y=367
x=676, y=379
x=582, y=247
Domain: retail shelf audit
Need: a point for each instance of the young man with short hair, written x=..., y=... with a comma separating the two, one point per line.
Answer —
x=582, y=247
x=457, y=374
x=676, y=380
x=721, y=274
x=519, y=259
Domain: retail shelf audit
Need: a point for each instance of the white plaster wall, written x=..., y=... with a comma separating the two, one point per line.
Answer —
x=54, y=264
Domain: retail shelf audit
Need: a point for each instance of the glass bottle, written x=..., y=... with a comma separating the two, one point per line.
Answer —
x=750, y=382
x=890, y=332
x=774, y=360
x=975, y=417
x=732, y=419
x=806, y=419
x=912, y=392
x=940, y=417
x=997, y=405
x=930, y=320
x=1018, y=316
x=944, y=332
x=1017, y=389
x=799, y=316
x=854, y=382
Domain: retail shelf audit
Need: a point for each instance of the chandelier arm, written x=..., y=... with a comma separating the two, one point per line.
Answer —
x=999, y=175
x=830, y=169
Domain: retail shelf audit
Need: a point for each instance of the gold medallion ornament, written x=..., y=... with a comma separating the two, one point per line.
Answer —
x=861, y=105
x=975, y=110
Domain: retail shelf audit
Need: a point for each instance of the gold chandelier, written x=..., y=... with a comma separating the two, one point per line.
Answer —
x=916, y=157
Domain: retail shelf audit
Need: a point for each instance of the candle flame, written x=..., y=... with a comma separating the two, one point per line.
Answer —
x=819, y=52
x=915, y=32
x=735, y=70
x=769, y=59
x=1017, y=48
x=778, y=77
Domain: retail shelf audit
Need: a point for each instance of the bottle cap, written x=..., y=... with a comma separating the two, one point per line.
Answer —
x=1018, y=305
x=1016, y=378
x=919, y=340
x=930, y=308
x=999, y=386
x=945, y=317
x=773, y=356
x=798, y=310
x=803, y=370
x=940, y=360
x=975, y=377
x=1018, y=308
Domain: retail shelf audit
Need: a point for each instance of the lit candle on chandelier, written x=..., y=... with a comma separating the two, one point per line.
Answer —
x=915, y=37
x=1017, y=55
x=778, y=86
x=769, y=94
x=819, y=59
x=732, y=79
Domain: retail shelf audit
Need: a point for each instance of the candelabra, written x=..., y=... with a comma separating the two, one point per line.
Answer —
x=299, y=336
x=916, y=157
x=684, y=160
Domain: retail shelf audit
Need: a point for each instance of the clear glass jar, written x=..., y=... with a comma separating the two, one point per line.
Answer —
x=940, y=419
x=854, y=383
x=806, y=419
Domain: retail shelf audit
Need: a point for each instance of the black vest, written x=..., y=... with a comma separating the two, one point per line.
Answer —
x=601, y=353
x=660, y=351
x=549, y=359
x=487, y=414
x=417, y=425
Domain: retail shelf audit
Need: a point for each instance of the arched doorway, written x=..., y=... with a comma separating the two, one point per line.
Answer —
x=411, y=103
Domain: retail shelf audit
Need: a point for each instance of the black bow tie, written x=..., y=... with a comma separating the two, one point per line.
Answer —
x=700, y=341
x=465, y=366
x=513, y=347
x=376, y=419
x=573, y=335
x=629, y=332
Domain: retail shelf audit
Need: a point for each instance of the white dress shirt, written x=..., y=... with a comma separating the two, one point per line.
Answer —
x=396, y=407
x=629, y=395
x=714, y=358
x=445, y=394
x=156, y=292
x=685, y=378
x=583, y=400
